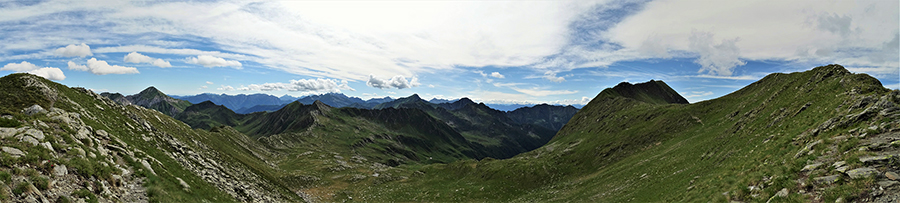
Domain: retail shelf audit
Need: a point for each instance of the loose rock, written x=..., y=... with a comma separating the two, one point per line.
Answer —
x=827, y=180
x=891, y=175
x=862, y=173
x=13, y=151
x=60, y=170
x=34, y=109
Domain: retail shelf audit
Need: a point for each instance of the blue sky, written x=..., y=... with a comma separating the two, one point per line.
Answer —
x=562, y=52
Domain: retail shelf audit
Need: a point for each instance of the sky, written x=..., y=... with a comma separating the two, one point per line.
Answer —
x=558, y=52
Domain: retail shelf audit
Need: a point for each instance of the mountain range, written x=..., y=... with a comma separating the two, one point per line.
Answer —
x=822, y=135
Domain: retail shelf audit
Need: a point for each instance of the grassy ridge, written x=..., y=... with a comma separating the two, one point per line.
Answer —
x=620, y=149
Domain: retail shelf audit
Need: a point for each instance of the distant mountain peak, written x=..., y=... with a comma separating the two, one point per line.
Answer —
x=414, y=96
x=653, y=91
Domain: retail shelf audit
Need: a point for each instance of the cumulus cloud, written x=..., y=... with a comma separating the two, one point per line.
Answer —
x=26, y=67
x=78, y=67
x=302, y=85
x=135, y=57
x=49, y=73
x=99, y=67
x=19, y=67
x=226, y=88
x=497, y=75
x=551, y=76
x=718, y=59
x=398, y=82
x=209, y=83
x=212, y=61
x=73, y=50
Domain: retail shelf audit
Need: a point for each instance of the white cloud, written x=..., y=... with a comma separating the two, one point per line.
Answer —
x=204, y=87
x=397, y=81
x=431, y=86
x=303, y=85
x=135, y=57
x=100, y=67
x=497, y=75
x=49, y=73
x=74, y=50
x=19, y=67
x=719, y=59
x=74, y=66
x=226, y=88
x=209, y=83
x=26, y=67
x=212, y=61
x=819, y=32
x=551, y=76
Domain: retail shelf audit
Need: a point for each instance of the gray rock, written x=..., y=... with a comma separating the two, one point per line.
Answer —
x=48, y=146
x=35, y=133
x=887, y=183
x=60, y=170
x=842, y=169
x=102, y=133
x=811, y=167
x=31, y=140
x=8, y=132
x=827, y=180
x=82, y=133
x=34, y=109
x=862, y=173
x=147, y=165
x=874, y=159
x=183, y=184
x=13, y=151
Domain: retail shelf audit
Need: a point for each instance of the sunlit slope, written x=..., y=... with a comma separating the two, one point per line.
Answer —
x=619, y=149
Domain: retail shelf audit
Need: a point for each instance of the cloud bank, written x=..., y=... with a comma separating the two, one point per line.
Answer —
x=99, y=67
x=303, y=85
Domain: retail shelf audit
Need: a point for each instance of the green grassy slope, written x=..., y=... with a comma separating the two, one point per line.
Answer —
x=619, y=149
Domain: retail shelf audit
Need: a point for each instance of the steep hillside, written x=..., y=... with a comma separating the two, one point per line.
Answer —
x=73, y=145
x=653, y=91
x=491, y=130
x=207, y=115
x=151, y=98
x=548, y=116
x=819, y=135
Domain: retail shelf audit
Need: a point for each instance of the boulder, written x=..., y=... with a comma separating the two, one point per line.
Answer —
x=13, y=151
x=827, y=180
x=35, y=133
x=862, y=173
x=891, y=175
x=8, y=132
x=48, y=146
x=102, y=133
x=875, y=159
x=811, y=167
x=82, y=133
x=31, y=140
x=60, y=170
x=34, y=109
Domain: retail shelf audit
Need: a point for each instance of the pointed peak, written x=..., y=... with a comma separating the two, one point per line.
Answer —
x=653, y=91
x=414, y=96
x=320, y=105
